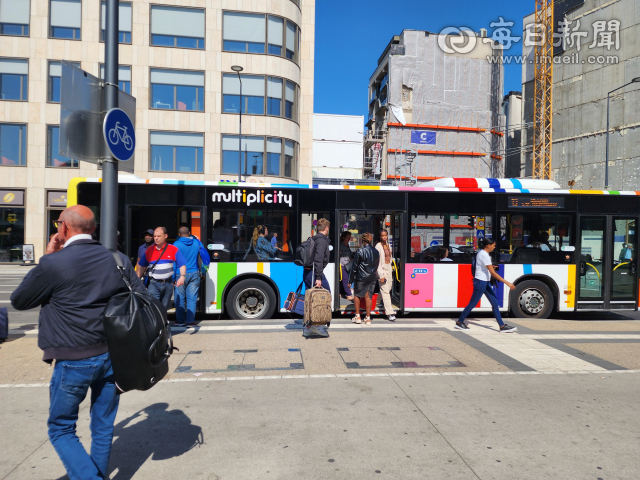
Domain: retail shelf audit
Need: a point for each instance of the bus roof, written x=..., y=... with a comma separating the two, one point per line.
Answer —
x=481, y=185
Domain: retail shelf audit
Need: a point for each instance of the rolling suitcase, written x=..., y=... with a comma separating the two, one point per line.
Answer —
x=317, y=306
x=4, y=324
x=295, y=301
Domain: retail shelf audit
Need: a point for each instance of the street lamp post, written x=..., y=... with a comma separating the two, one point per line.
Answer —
x=238, y=69
x=606, y=163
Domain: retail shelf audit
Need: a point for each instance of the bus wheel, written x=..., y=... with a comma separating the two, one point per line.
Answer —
x=251, y=299
x=532, y=299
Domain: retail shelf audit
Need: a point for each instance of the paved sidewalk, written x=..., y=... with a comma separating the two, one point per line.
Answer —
x=396, y=427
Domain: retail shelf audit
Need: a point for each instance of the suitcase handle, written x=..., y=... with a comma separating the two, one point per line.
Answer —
x=165, y=356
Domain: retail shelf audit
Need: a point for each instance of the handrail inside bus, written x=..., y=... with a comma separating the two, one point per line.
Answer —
x=621, y=264
x=599, y=277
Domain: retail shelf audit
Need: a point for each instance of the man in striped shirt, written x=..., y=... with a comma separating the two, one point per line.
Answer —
x=161, y=256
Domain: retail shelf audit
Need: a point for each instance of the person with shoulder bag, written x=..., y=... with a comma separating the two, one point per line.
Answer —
x=385, y=274
x=484, y=273
x=73, y=283
x=364, y=276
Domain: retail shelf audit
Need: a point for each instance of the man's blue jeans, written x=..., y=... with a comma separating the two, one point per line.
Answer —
x=70, y=383
x=162, y=291
x=187, y=297
x=310, y=281
x=482, y=288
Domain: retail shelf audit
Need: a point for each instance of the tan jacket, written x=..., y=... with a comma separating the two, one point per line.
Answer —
x=382, y=266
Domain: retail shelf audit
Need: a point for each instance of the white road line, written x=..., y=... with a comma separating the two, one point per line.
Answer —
x=583, y=336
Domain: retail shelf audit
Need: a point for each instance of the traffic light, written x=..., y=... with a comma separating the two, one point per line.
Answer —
x=472, y=222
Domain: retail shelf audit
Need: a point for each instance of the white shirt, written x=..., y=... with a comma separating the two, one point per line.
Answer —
x=80, y=236
x=482, y=260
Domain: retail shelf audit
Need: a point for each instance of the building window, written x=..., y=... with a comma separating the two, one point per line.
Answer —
x=11, y=225
x=177, y=27
x=14, y=73
x=252, y=94
x=256, y=33
x=258, y=157
x=276, y=29
x=14, y=17
x=274, y=96
x=177, y=152
x=243, y=32
x=124, y=22
x=65, y=20
x=55, y=76
x=124, y=77
x=177, y=90
x=274, y=156
x=290, y=104
x=289, y=158
x=54, y=159
x=13, y=144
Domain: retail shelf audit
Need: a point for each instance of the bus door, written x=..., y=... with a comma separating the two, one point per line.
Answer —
x=607, y=268
x=172, y=217
x=358, y=223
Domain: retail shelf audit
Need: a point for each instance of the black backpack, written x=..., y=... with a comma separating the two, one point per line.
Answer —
x=304, y=253
x=138, y=336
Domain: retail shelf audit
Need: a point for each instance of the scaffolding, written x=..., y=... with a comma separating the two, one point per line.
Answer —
x=543, y=99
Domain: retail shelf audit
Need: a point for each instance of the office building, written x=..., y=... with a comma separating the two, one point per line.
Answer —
x=176, y=61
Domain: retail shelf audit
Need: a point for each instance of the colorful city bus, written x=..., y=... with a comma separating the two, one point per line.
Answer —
x=564, y=250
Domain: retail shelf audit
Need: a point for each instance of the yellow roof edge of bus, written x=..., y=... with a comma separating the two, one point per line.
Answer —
x=72, y=191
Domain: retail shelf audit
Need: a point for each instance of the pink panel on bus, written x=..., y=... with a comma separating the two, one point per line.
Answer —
x=419, y=286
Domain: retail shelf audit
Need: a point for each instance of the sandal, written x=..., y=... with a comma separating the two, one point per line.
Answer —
x=356, y=319
x=367, y=320
x=350, y=298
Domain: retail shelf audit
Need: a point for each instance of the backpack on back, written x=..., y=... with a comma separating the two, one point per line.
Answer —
x=138, y=336
x=304, y=253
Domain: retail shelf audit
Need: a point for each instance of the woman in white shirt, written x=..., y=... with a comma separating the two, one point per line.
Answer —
x=482, y=286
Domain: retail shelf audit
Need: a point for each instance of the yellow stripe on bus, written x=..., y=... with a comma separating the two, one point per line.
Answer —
x=72, y=191
x=571, y=297
x=261, y=268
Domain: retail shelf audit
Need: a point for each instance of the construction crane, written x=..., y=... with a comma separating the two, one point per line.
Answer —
x=543, y=100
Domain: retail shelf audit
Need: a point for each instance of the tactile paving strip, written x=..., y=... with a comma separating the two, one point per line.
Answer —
x=396, y=357
x=215, y=361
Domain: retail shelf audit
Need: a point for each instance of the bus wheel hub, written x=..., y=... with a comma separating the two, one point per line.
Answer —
x=532, y=301
x=251, y=302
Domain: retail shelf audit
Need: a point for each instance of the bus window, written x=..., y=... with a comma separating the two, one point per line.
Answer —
x=460, y=232
x=532, y=238
x=234, y=229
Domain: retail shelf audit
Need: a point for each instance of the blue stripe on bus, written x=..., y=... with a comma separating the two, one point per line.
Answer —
x=182, y=182
x=524, y=190
x=499, y=290
x=516, y=183
x=527, y=269
x=286, y=278
x=493, y=182
x=499, y=190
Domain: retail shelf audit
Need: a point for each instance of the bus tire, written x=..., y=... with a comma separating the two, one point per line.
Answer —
x=250, y=299
x=532, y=299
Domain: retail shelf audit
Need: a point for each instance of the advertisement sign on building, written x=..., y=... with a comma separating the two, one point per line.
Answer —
x=12, y=197
x=57, y=199
x=423, y=137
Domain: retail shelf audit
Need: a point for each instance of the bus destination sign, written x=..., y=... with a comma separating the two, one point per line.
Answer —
x=536, y=202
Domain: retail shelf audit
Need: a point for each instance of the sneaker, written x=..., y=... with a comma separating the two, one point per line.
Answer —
x=179, y=324
x=314, y=331
x=507, y=329
x=367, y=321
x=357, y=319
x=462, y=326
x=392, y=318
x=191, y=325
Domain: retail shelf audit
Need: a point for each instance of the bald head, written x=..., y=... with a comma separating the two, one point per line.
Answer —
x=78, y=219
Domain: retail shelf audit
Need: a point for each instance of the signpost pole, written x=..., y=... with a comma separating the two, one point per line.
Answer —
x=109, y=200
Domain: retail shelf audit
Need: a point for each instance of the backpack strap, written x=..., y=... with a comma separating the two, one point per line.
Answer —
x=120, y=266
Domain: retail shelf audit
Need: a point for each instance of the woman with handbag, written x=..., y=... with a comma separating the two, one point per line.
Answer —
x=364, y=274
x=346, y=258
x=385, y=274
x=484, y=273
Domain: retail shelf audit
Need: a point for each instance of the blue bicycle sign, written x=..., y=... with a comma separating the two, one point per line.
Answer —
x=119, y=133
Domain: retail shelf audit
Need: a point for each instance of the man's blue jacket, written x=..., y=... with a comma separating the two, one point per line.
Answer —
x=190, y=247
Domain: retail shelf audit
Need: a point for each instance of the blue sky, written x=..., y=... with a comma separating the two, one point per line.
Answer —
x=352, y=34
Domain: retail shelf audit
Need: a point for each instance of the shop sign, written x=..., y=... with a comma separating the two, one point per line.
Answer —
x=12, y=197
x=57, y=199
x=27, y=253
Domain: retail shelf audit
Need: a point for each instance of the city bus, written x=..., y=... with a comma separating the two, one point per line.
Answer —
x=564, y=250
